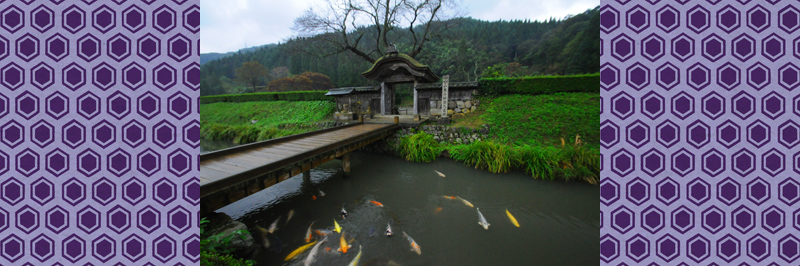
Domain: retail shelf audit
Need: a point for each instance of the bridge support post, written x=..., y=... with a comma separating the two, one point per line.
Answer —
x=346, y=164
x=307, y=177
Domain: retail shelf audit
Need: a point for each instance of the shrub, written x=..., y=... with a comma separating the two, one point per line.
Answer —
x=541, y=162
x=540, y=85
x=568, y=162
x=215, y=249
x=420, y=147
x=497, y=158
x=268, y=96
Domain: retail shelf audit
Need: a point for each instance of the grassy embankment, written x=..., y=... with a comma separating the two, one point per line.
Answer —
x=536, y=134
x=232, y=121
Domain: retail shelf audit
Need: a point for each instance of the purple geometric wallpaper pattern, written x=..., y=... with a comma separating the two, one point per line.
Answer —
x=700, y=129
x=99, y=132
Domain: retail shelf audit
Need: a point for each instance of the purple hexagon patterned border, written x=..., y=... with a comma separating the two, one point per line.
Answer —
x=700, y=132
x=95, y=98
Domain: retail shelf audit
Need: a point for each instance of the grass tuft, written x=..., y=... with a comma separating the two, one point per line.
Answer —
x=420, y=147
x=497, y=158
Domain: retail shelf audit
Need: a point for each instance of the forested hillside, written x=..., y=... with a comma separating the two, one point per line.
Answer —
x=469, y=49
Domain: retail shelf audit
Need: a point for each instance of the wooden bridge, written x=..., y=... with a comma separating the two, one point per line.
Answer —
x=232, y=174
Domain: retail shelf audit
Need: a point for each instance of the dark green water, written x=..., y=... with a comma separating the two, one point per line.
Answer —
x=559, y=221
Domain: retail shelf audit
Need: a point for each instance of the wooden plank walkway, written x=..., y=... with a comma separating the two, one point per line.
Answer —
x=221, y=167
x=231, y=174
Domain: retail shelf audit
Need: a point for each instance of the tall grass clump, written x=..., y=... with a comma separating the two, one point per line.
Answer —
x=566, y=162
x=420, y=147
x=495, y=157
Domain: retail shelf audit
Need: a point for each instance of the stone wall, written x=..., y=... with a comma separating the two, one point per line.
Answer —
x=441, y=133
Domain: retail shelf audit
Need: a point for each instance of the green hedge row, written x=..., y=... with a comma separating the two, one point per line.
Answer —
x=268, y=96
x=540, y=85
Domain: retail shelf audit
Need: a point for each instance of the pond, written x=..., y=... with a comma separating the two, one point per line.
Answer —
x=559, y=222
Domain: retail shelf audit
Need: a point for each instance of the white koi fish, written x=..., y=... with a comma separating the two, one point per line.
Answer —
x=274, y=225
x=312, y=256
x=440, y=173
x=388, y=229
x=414, y=246
x=482, y=220
x=344, y=212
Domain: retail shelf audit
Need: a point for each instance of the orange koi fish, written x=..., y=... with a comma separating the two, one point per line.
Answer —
x=376, y=203
x=322, y=232
x=449, y=197
x=313, y=197
x=343, y=245
x=437, y=210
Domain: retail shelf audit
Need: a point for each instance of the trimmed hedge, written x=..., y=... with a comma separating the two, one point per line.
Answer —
x=540, y=85
x=268, y=96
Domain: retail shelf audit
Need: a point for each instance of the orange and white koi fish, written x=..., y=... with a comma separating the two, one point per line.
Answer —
x=437, y=210
x=449, y=197
x=308, y=233
x=343, y=246
x=511, y=217
x=414, y=246
x=376, y=203
x=465, y=202
x=322, y=232
x=440, y=173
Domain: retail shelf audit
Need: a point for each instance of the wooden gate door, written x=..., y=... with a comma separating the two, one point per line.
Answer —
x=424, y=105
x=375, y=106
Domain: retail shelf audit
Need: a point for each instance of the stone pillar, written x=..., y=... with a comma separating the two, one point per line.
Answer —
x=445, y=93
x=346, y=164
x=416, y=107
x=384, y=92
x=307, y=177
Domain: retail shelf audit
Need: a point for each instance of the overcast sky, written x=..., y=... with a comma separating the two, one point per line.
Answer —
x=230, y=25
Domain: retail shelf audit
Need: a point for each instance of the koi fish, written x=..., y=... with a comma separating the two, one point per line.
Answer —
x=313, y=197
x=465, y=202
x=322, y=232
x=355, y=261
x=449, y=197
x=262, y=232
x=437, y=210
x=343, y=246
x=440, y=173
x=388, y=229
x=298, y=251
x=312, y=256
x=308, y=233
x=482, y=220
x=291, y=213
x=338, y=228
x=511, y=217
x=376, y=203
x=414, y=246
x=344, y=212
x=274, y=225
x=321, y=194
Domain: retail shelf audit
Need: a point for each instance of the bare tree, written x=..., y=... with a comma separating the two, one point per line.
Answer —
x=342, y=25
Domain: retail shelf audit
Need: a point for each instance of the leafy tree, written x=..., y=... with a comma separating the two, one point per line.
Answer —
x=251, y=73
x=318, y=81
